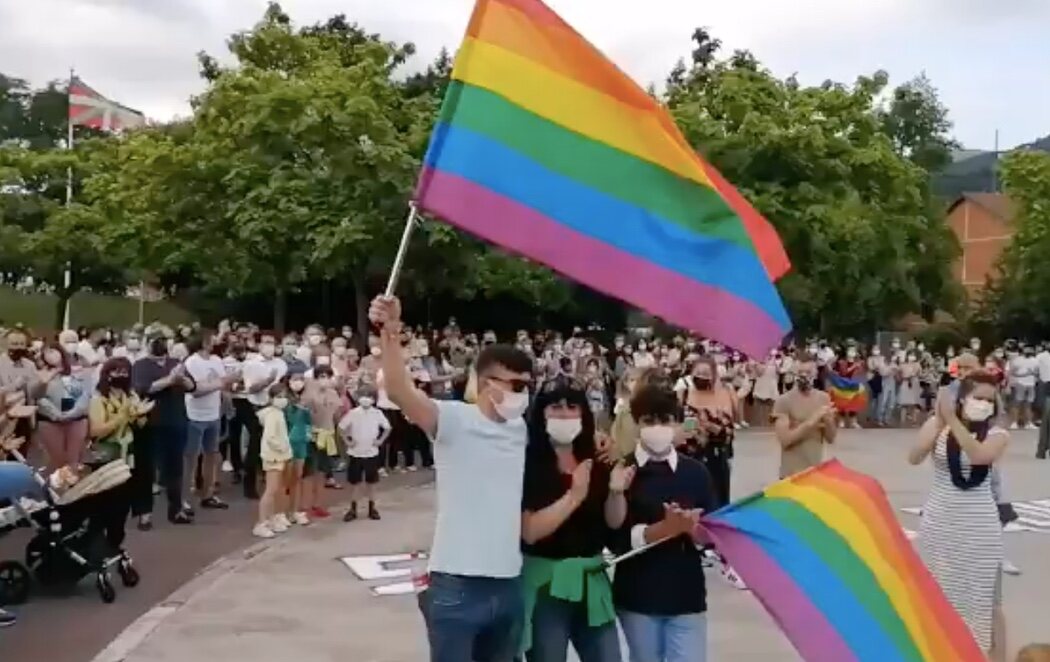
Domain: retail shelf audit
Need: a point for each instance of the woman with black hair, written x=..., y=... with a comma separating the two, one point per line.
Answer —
x=569, y=506
x=960, y=537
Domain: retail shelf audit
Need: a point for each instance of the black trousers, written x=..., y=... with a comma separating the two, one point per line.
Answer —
x=231, y=446
x=252, y=463
x=165, y=444
x=140, y=487
x=400, y=440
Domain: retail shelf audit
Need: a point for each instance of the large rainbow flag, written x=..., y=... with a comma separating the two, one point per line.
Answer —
x=848, y=395
x=825, y=555
x=544, y=147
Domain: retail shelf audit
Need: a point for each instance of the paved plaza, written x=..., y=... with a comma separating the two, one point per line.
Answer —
x=293, y=600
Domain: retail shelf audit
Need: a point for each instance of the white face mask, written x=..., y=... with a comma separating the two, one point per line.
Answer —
x=280, y=402
x=134, y=344
x=513, y=405
x=563, y=431
x=978, y=411
x=324, y=360
x=314, y=339
x=851, y=353
x=70, y=347
x=339, y=350
x=366, y=403
x=376, y=351
x=297, y=385
x=267, y=350
x=657, y=439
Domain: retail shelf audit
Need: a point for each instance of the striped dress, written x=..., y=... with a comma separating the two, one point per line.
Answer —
x=961, y=541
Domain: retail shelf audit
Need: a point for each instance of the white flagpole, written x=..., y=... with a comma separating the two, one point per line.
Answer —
x=399, y=259
x=68, y=276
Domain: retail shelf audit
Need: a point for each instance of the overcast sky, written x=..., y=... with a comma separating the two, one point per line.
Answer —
x=990, y=59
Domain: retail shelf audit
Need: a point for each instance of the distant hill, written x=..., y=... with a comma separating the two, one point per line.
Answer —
x=974, y=171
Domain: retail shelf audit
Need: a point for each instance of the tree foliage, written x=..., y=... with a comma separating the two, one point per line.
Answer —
x=1018, y=301
x=867, y=243
x=299, y=161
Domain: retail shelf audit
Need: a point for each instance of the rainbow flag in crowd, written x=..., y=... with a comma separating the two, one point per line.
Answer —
x=848, y=395
x=825, y=555
x=545, y=148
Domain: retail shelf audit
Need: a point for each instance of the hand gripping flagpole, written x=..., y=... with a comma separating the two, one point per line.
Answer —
x=399, y=258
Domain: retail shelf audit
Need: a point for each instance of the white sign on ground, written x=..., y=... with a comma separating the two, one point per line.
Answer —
x=391, y=572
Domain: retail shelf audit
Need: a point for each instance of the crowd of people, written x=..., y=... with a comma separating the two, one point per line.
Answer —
x=581, y=442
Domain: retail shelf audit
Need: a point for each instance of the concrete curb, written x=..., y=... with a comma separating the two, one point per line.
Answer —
x=206, y=580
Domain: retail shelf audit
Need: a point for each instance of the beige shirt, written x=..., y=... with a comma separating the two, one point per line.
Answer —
x=799, y=407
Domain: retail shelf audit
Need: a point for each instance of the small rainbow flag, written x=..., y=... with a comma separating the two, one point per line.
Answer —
x=828, y=560
x=848, y=395
x=545, y=148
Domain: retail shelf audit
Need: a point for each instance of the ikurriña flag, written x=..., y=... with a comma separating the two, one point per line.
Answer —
x=89, y=108
x=544, y=147
x=824, y=554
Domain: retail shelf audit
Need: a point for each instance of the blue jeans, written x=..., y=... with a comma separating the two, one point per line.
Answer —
x=887, y=402
x=16, y=481
x=665, y=638
x=557, y=622
x=472, y=619
x=202, y=436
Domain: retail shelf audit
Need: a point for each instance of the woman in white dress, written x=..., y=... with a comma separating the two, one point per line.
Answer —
x=766, y=389
x=960, y=537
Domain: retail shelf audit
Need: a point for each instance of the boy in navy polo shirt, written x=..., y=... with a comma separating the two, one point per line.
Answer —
x=660, y=595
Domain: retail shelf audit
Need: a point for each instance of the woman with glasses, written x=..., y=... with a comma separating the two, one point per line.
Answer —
x=570, y=505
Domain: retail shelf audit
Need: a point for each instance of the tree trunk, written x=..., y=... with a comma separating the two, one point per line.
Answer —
x=280, y=308
x=361, y=310
x=63, y=296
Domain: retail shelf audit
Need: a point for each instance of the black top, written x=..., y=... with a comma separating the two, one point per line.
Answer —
x=170, y=403
x=585, y=532
x=667, y=580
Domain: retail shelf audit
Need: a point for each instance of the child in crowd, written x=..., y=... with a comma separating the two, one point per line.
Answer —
x=275, y=452
x=364, y=429
x=297, y=418
x=325, y=404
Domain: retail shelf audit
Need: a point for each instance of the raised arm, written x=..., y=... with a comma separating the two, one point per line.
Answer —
x=385, y=312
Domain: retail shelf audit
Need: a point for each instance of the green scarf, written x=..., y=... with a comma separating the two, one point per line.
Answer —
x=570, y=580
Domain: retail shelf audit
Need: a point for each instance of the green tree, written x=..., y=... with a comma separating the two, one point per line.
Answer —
x=1018, y=301
x=852, y=211
x=917, y=123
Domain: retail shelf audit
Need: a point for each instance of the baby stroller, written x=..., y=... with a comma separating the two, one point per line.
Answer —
x=78, y=533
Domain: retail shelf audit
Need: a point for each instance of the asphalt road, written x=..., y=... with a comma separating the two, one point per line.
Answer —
x=73, y=626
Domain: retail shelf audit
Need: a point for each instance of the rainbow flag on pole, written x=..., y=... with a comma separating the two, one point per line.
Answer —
x=825, y=555
x=848, y=395
x=545, y=148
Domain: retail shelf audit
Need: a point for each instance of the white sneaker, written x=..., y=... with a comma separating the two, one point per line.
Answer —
x=279, y=523
x=1013, y=426
x=857, y=425
x=842, y=425
x=1010, y=569
x=263, y=530
x=301, y=519
x=745, y=424
x=1031, y=426
x=413, y=468
x=226, y=466
x=382, y=472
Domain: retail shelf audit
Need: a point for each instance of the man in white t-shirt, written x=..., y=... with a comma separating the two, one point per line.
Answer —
x=258, y=374
x=364, y=429
x=203, y=411
x=1024, y=370
x=473, y=607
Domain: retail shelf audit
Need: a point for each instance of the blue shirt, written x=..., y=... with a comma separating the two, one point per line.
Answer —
x=480, y=465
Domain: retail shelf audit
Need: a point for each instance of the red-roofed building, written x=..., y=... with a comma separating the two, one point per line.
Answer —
x=983, y=223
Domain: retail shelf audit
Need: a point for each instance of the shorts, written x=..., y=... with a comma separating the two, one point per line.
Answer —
x=274, y=465
x=1023, y=394
x=202, y=436
x=362, y=467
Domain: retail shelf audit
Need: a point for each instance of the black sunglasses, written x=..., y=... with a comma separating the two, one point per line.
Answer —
x=516, y=385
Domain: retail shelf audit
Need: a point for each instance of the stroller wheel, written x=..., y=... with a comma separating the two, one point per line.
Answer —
x=14, y=583
x=105, y=587
x=128, y=574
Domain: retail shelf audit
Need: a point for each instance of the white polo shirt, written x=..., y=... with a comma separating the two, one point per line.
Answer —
x=205, y=372
x=362, y=427
x=258, y=369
